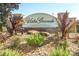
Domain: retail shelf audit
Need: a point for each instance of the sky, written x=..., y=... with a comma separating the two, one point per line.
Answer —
x=50, y=8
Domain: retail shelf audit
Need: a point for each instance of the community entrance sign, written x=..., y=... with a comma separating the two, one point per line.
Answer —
x=40, y=20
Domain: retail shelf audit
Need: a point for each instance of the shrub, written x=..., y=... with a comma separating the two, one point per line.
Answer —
x=35, y=39
x=63, y=44
x=9, y=52
x=61, y=50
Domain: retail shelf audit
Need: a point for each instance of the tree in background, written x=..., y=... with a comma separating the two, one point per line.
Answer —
x=65, y=27
x=64, y=24
x=5, y=9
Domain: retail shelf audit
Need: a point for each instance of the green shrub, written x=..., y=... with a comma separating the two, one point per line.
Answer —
x=35, y=39
x=63, y=44
x=9, y=52
x=61, y=50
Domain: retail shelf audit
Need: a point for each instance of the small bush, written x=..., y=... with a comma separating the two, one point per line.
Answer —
x=35, y=39
x=9, y=52
x=63, y=44
x=61, y=50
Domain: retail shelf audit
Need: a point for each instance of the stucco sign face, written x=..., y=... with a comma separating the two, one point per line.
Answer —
x=40, y=20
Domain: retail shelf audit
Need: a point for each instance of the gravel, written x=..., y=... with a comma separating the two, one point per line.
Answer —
x=42, y=51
